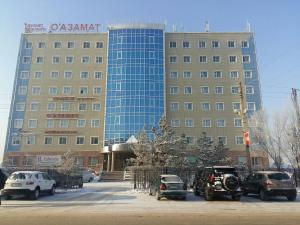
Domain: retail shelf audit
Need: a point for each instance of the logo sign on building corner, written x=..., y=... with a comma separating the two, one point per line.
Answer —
x=48, y=160
x=62, y=28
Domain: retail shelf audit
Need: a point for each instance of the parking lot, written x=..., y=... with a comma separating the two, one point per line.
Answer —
x=119, y=198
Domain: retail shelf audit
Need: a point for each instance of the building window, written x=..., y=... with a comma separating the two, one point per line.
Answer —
x=95, y=123
x=232, y=59
x=174, y=106
x=189, y=123
x=30, y=140
x=173, y=44
x=49, y=123
x=237, y=122
x=52, y=90
x=219, y=90
x=81, y=123
x=235, y=90
x=41, y=45
x=28, y=45
x=202, y=44
x=203, y=59
x=98, y=60
x=205, y=106
x=79, y=161
x=96, y=106
x=64, y=123
x=16, y=140
x=93, y=161
x=175, y=123
x=82, y=106
x=85, y=59
x=97, y=90
x=48, y=140
x=86, y=44
x=234, y=74
x=51, y=106
x=71, y=44
x=98, y=75
x=174, y=90
x=62, y=140
x=68, y=74
x=248, y=73
x=215, y=44
x=236, y=106
x=54, y=75
x=18, y=123
x=80, y=140
x=69, y=59
x=218, y=74
x=36, y=90
x=94, y=140
x=249, y=90
x=186, y=44
x=57, y=44
x=99, y=44
x=251, y=106
x=20, y=106
x=83, y=90
x=204, y=90
x=65, y=106
x=67, y=90
x=231, y=44
x=245, y=44
x=84, y=75
x=38, y=75
x=239, y=140
x=222, y=140
x=26, y=59
x=188, y=106
x=174, y=75
x=24, y=75
x=219, y=106
x=188, y=90
x=246, y=58
x=206, y=123
x=187, y=59
x=220, y=122
x=216, y=59
x=40, y=59
x=204, y=74
x=22, y=90
x=34, y=106
x=187, y=74
x=55, y=59
x=173, y=59
x=190, y=140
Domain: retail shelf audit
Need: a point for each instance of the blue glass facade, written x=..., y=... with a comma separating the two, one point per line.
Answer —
x=135, y=82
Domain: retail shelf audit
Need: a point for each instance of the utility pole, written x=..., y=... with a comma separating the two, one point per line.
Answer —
x=244, y=117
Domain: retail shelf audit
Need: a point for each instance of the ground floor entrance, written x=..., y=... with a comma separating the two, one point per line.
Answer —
x=116, y=161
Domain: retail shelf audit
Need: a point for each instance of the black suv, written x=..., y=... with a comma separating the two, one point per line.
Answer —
x=217, y=180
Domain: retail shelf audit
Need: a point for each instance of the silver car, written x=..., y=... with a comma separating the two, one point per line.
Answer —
x=169, y=186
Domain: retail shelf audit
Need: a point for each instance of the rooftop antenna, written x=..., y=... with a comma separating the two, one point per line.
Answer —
x=206, y=29
x=174, y=28
x=248, y=27
x=181, y=28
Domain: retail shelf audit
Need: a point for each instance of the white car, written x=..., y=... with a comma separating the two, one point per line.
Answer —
x=87, y=176
x=28, y=183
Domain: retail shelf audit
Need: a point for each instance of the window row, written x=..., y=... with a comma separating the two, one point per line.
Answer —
x=69, y=44
x=206, y=122
x=56, y=74
x=212, y=44
x=205, y=74
x=49, y=140
x=204, y=59
x=239, y=140
x=187, y=90
x=61, y=123
x=58, y=59
x=64, y=106
x=66, y=90
x=206, y=106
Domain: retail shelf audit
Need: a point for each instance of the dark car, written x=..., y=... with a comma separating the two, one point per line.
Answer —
x=217, y=181
x=169, y=186
x=269, y=183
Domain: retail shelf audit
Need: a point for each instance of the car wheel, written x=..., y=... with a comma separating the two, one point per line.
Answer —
x=291, y=197
x=7, y=197
x=208, y=196
x=35, y=194
x=52, y=190
x=236, y=197
x=263, y=196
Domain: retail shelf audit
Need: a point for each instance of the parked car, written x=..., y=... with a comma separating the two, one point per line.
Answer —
x=169, y=186
x=217, y=180
x=3, y=177
x=88, y=175
x=28, y=183
x=269, y=183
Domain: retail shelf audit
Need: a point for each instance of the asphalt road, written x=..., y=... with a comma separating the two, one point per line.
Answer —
x=117, y=203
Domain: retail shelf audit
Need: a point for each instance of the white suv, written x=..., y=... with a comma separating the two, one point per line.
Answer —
x=29, y=183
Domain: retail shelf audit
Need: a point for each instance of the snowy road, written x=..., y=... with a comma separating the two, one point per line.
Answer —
x=118, y=198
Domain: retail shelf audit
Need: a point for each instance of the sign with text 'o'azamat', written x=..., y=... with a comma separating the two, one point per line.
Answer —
x=62, y=28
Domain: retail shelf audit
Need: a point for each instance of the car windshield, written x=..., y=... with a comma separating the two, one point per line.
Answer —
x=278, y=176
x=171, y=179
x=20, y=176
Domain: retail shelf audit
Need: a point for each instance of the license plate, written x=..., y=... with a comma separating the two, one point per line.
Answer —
x=16, y=184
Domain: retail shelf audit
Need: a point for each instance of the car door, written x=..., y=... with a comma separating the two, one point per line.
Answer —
x=41, y=181
x=250, y=183
x=47, y=182
x=257, y=182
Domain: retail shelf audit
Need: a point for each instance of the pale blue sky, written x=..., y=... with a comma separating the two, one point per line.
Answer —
x=275, y=23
